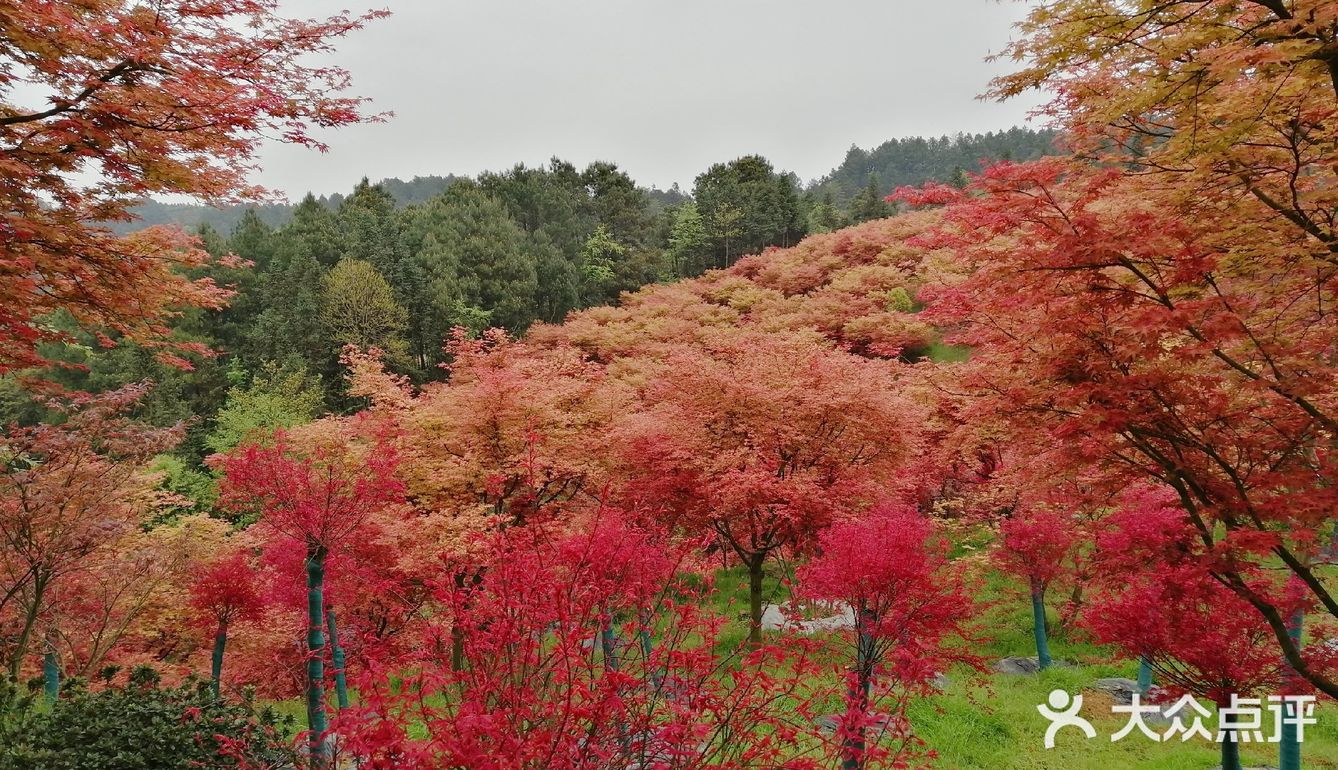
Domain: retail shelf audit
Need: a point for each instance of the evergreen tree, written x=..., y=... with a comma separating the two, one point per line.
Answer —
x=824, y=217
x=290, y=325
x=314, y=226
x=369, y=229
x=600, y=258
x=252, y=240
x=558, y=280
x=870, y=203
x=748, y=206
x=474, y=238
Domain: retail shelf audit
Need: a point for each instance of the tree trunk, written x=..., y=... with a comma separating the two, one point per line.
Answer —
x=755, y=601
x=220, y=646
x=608, y=642
x=316, y=721
x=1289, y=747
x=861, y=685
x=1038, y=624
x=458, y=632
x=337, y=661
x=648, y=649
x=1230, y=752
x=34, y=609
x=50, y=673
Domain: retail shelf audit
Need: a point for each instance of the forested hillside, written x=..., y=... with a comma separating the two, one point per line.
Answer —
x=915, y=160
x=896, y=162
x=397, y=265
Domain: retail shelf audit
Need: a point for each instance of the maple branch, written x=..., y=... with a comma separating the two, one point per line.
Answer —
x=62, y=105
x=1276, y=6
x=1281, y=632
x=1296, y=217
x=1277, y=387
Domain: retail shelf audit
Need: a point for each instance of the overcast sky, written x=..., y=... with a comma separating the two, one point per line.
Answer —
x=663, y=88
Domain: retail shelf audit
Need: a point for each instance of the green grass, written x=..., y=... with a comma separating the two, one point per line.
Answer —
x=942, y=352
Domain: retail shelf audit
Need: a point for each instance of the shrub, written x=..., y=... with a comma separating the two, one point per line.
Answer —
x=144, y=727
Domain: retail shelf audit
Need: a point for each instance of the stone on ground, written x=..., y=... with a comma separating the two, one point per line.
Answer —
x=1020, y=664
x=775, y=619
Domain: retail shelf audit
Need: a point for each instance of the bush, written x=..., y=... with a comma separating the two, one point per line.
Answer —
x=143, y=727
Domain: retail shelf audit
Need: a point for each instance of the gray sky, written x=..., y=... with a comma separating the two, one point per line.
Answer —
x=662, y=88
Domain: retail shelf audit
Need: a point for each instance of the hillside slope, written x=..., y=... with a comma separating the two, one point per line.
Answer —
x=855, y=286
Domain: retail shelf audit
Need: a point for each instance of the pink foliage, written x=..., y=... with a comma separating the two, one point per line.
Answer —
x=540, y=688
x=1035, y=544
x=321, y=497
x=227, y=590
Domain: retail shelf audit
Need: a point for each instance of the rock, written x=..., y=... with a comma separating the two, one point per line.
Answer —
x=941, y=681
x=1018, y=664
x=1158, y=719
x=828, y=723
x=775, y=619
x=1121, y=689
x=879, y=726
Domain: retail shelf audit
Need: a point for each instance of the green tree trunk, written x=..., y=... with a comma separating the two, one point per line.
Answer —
x=50, y=674
x=608, y=642
x=316, y=720
x=1230, y=752
x=220, y=646
x=1144, y=676
x=648, y=649
x=458, y=633
x=337, y=661
x=1038, y=625
x=1289, y=748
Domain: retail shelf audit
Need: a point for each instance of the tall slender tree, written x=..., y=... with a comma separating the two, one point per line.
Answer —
x=319, y=501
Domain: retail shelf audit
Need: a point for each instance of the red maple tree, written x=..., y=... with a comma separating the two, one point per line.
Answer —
x=137, y=100
x=584, y=651
x=911, y=609
x=225, y=591
x=318, y=500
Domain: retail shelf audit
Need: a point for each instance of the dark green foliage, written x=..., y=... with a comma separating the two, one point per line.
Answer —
x=314, y=231
x=823, y=215
x=870, y=203
x=916, y=160
x=746, y=206
x=178, y=395
x=369, y=227
x=252, y=240
x=142, y=727
x=474, y=259
x=289, y=326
